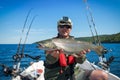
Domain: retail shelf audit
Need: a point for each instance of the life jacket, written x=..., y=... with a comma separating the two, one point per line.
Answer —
x=66, y=66
x=63, y=61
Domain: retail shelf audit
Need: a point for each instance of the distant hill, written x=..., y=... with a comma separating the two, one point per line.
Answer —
x=113, y=38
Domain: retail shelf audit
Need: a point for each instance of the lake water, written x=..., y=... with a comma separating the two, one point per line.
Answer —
x=8, y=50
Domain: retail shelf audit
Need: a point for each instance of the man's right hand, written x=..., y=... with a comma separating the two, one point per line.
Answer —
x=54, y=53
x=80, y=57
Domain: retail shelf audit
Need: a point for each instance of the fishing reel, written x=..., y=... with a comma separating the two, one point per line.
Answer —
x=17, y=57
x=104, y=63
x=7, y=70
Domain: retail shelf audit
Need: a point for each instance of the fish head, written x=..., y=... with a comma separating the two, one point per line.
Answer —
x=46, y=45
x=41, y=45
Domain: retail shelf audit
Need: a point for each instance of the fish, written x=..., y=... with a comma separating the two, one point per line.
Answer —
x=46, y=45
x=70, y=46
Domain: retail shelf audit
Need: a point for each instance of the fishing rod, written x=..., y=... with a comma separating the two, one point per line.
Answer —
x=22, y=52
x=7, y=69
x=18, y=48
x=18, y=57
x=94, y=39
x=97, y=40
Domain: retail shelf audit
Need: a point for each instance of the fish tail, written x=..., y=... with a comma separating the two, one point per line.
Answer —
x=99, y=50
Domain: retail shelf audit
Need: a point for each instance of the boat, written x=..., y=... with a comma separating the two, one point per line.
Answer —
x=33, y=72
x=36, y=71
x=91, y=66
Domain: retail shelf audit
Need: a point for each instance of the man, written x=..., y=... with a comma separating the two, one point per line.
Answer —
x=59, y=66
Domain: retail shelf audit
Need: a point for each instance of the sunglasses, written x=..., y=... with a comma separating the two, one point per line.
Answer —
x=65, y=26
x=62, y=22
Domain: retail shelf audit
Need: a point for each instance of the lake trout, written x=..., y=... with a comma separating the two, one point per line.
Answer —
x=69, y=46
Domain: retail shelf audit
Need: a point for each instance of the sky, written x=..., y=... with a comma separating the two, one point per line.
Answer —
x=106, y=15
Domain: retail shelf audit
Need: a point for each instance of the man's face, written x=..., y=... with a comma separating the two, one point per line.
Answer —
x=64, y=30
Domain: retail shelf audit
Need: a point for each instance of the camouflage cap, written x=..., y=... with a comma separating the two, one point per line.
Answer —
x=64, y=21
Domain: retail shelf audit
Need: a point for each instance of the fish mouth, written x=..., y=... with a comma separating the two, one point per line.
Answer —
x=40, y=45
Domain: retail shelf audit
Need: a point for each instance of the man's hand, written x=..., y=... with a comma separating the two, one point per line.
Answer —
x=82, y=53
x=80, y=57
x=54, y=53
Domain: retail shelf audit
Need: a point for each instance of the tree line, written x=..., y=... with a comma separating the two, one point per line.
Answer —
x=113, y=38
